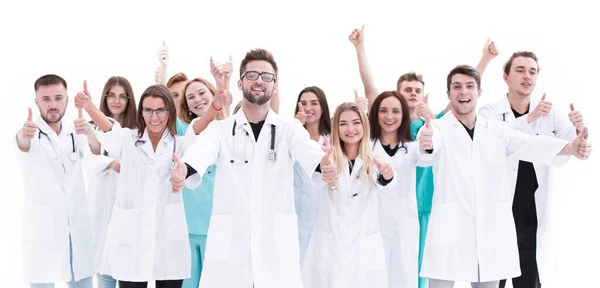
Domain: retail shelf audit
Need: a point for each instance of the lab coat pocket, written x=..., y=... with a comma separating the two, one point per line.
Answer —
x=372, y=256
x=444, y=221
x=285, y=232
x=40, y=221
x=175, y=222
x=218, y=242
x=126, y=221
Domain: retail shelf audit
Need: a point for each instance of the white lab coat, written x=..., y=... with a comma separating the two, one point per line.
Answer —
x=555, y=124
x=399, y=217
x=253, y=230
x=147, y=237
x=55, y=207
x=471, y=226
x=346, y=248
x=307, y=196
x=102, y=190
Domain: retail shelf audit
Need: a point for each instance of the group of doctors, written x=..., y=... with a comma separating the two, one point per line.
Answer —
x=181, y=193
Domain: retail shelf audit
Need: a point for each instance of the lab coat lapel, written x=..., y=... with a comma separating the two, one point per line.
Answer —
x=147, y=146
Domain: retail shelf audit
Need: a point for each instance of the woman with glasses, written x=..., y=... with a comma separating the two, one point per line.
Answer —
x=313, y=111
x=118, y=103
x=147, y=237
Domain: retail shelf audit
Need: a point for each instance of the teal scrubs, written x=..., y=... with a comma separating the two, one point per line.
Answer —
x=198, y=207
x=424, y=196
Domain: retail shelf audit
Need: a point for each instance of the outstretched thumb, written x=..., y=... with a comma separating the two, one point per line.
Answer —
x=80, y=113
x=29, y=115
x=85, y=88
x=583, y=133
x=427, y=121
x=544, y=96
x=300, y=107
x=572, y=107
x=426, y=98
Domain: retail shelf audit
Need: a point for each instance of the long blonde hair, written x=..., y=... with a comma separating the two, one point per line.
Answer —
x=364, y=148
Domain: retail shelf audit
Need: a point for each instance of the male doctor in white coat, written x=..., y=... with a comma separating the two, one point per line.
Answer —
x=253, y=232
x=56, y=233
x=471, y=233
x=531, y=184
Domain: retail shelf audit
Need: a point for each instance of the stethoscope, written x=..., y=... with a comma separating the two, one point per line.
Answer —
x=272, y=153
x=401, y=146
x=73, y=155
x=173, y=164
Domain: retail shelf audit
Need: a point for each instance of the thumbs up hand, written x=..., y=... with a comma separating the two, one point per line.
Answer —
x=362, y=102
x=178, y=174
x=426, y=135
x=357, y=36
x=422, y=108
x=576, y=118
x=542, y=109
x=301, y=115
x=83, y=98
x=384, y=169
x=163, y=54
x=580, y=147
x=29, y=127
x=328, y=167
x=81, y=125
x=490, y=50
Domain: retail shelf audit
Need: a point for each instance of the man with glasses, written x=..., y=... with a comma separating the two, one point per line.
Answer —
x=253, y=232
x=56, y=229
x=533, y=200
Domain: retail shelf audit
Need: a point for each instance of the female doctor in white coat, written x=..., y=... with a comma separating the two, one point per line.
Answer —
x=117, y=102
x=147, y=237
x=313, y=111
x=346, y=248
x=398, y=216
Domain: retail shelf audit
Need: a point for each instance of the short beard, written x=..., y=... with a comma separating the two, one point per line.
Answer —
x=60, y=116
x=250, y=98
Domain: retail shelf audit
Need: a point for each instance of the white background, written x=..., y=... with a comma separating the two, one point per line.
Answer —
x=309, y=39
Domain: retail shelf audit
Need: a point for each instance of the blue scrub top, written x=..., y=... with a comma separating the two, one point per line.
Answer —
x=198, y=202
x=424, y=174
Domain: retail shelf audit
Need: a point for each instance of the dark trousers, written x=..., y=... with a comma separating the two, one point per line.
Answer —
x=159, y=284
x=529, y=278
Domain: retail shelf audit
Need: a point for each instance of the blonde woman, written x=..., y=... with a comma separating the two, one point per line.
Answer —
x=346, y=248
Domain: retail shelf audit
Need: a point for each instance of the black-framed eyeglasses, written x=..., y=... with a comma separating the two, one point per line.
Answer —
x=253, y=76
x=113, y=97
x=160, y=112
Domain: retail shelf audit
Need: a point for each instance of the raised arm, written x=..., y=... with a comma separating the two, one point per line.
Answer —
x=160, y=76
x=82, y=127
x=366, y=76
x=83, y=100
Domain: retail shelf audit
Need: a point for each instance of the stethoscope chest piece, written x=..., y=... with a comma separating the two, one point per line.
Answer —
x=74, y=156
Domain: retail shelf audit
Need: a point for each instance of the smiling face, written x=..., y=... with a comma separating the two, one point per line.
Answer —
x=198, y=98
x=156, y=114
x=312, y=107
x=463, y=94
x=258, y=91
x=390, y=115
x=350, y=127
